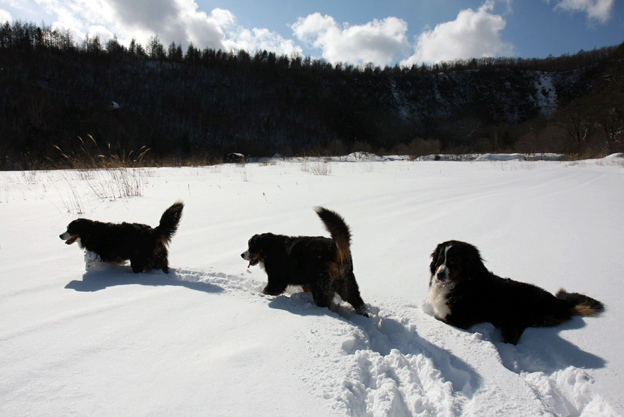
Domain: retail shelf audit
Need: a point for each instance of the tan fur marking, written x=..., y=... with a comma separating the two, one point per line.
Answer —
x=586, y=310
x=337, y=270
x=163, y=241
x=343, y=254
x=454, y=273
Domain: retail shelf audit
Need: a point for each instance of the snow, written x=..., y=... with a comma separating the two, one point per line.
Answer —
x=204, y=340
x=518, y=157
x=546, y=96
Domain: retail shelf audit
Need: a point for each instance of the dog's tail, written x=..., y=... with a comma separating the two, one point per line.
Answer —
x=582, y=305
x=170, y=220
x=336, y=226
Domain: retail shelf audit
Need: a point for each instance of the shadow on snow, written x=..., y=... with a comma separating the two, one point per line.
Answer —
x=113, y=275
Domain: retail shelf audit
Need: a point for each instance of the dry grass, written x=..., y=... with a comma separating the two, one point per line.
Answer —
x=316, y=166
x=72, y=201
x=108, y=175
x=92, y=157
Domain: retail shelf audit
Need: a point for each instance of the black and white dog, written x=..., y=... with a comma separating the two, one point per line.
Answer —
x=463, y=293
x=320, y=265
x=144, y=246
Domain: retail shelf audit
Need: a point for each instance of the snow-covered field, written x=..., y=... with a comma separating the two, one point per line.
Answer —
x=204, y=341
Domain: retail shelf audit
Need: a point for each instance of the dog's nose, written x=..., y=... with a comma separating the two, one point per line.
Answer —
x=61, y=236
x=441, y=274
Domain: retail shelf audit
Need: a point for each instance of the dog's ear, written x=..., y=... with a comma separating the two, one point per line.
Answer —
x=260, y=243
x=472, y=259
x=77, y=226
x=434, y=258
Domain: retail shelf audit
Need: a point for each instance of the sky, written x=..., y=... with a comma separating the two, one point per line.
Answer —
x=385, y=32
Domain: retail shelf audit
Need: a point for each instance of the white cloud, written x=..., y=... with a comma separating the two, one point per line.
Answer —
x=177, y=21
x=261, y=39
x=378, y=41
x=597, y=10
x=474, y=34
x=5, y=16
x=103, y=33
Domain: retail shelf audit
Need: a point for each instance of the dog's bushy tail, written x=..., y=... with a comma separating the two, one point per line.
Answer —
x=582, y=305
x=170, y=220
x=337, y=227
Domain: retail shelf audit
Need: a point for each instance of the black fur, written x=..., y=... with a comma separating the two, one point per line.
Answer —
x=322, y=266
x=475, y=295
x=144, y=246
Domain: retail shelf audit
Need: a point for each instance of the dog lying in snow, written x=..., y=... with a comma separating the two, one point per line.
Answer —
x=463, y=293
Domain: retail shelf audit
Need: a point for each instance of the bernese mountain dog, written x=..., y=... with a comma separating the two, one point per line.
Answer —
x=463, y=293
x=144, y=246
x=320, y=265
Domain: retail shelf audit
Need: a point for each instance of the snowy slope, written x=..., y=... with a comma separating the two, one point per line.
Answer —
x=203, y=340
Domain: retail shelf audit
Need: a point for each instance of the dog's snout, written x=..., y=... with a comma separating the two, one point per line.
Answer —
x=442, y=273
x=245, y=255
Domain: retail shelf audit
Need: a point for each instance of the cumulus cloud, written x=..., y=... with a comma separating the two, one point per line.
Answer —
x=102, y=32
x=261, y=39
x=474, y=34
x=178, y=21
x=378, y=41
x=597, y=10
x=5, y=16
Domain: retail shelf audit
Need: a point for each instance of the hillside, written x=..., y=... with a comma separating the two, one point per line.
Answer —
x=209, y=103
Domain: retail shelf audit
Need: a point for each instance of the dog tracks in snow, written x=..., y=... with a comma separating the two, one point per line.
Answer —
x=400, y=361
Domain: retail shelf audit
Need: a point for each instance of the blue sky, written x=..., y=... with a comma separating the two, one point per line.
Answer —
x=382, y=32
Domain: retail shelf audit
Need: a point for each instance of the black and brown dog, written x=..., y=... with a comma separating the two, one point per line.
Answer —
x=320, y=265
x=463, y=293
x=144, y=246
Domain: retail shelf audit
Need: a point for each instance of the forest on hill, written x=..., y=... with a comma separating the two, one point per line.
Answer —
x=62, y=101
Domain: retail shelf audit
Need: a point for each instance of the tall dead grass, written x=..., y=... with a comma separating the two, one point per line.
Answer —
x=316, y=166
x=108, y=175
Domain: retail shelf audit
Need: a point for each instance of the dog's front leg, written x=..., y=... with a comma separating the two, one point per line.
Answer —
x=274, y=288
x=511, y=334
x=137, y=265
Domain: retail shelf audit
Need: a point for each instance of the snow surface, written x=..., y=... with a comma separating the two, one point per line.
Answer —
x=204, y=340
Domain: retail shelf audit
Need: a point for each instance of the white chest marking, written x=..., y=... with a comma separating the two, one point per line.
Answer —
x=437, y=298
x=439, y=290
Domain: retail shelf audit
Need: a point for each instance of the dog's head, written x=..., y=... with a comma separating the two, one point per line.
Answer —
x=451, y=260
x=258, y=246
x=75, y=230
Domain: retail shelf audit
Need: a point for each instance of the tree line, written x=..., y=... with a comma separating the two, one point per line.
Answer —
x=200, y=104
